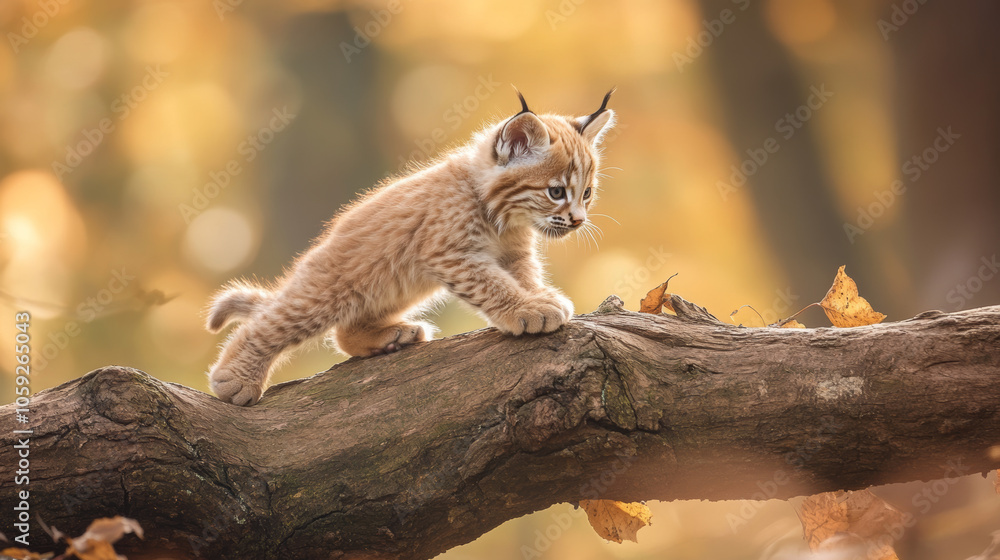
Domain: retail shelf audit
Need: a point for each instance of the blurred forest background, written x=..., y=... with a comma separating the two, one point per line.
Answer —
x=152, y=150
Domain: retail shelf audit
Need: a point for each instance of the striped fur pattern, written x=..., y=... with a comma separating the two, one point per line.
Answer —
x=468, y=225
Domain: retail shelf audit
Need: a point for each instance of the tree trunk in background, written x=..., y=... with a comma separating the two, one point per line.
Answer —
x=758, y=84
x=946, y=63
x=948, y=72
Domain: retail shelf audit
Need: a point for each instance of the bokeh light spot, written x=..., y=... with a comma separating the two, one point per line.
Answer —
x=156, y=32
x=220, y=239
x=421, y=101
x=77, y=59
x=799, y=22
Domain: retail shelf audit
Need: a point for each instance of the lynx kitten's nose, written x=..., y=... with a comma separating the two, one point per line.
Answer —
x=575, y=221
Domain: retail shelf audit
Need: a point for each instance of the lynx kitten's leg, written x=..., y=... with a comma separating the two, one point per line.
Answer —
x=507, y=305
x=370, y=341
x=242, y=371
x=527, y=271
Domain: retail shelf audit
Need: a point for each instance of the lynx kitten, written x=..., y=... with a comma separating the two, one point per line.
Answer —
x=467, y=224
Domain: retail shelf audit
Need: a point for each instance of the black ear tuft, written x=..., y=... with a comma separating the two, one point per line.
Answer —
x=593, y=126
x=584, y=121
x=524, y=104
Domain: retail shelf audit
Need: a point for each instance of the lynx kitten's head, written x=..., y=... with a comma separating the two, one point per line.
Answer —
x=545, y=169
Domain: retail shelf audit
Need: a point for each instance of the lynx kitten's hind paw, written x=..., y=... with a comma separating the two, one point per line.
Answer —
x=232, y=389
x=381, y=340
x=408, y=333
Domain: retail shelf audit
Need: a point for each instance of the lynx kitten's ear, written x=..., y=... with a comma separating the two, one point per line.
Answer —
x=523, y=136
x=593, y=126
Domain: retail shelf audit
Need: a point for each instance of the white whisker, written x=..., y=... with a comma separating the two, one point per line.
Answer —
x=606, y=216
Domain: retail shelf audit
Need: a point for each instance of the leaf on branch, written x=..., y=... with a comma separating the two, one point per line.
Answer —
x=95, y=543
x=617, y=521
x=848, y=520
x=23, y=554
x=657, y=299
x=845, y=307
x=822, y=517
x=96, y=550
x=792, y=324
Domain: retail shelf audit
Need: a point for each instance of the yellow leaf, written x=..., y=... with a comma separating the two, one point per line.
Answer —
x=96, y=542
x=793, y=324
x=822, y=516
x=21, y=554
x=616, y=521
x=844, y=307
x=110, y=529
x=847, y=520
x=93, y=550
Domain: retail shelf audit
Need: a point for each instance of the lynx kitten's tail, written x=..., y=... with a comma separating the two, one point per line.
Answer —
x=235, y=303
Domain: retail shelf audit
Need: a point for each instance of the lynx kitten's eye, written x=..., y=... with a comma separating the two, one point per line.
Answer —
x=557, y=193
x=587, y=193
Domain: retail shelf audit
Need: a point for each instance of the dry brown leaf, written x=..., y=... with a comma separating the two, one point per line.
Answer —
x=656, y=299
x=95, y=543
x=839, y=520
x=23, y=554
x=94, y=550
x=653, y=302
x=822, y=516
x=793, y=324
x=668, y=304
x=844, y=307
x=616, y=521
x=110, y=529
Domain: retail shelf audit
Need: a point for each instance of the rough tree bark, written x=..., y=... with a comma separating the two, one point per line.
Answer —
x=407, y=455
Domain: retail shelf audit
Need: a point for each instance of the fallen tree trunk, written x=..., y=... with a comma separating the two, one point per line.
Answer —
x=409, y=454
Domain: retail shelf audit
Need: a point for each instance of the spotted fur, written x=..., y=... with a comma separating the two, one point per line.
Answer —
x=467, y=225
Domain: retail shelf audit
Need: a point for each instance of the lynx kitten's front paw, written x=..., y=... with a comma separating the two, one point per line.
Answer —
x=564, y=302
x=536, y=315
